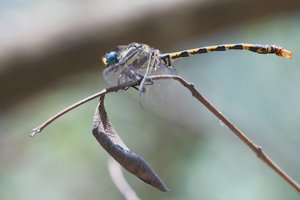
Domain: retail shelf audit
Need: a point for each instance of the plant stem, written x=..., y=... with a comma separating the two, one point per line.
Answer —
x=124, y=86
x=255, y=148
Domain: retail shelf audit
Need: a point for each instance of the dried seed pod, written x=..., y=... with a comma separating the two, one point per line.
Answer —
x=112, y=143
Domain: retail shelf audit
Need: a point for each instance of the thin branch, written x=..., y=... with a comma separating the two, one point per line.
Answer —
x=255, y=148
x=119, y=180
x=46, y=123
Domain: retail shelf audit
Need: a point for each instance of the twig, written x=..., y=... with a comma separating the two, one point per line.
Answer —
x=257, y=149
x=119, y=180
x=124, y=86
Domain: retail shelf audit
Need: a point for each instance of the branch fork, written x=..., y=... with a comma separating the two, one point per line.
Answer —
x=112, y=143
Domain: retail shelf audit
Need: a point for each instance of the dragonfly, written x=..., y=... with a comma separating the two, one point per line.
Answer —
x=139, y=62
x=136, y=65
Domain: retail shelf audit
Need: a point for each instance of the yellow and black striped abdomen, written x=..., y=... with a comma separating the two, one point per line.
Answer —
x=261, y=49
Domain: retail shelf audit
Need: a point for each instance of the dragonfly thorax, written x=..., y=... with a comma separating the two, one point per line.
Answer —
x=129, y=63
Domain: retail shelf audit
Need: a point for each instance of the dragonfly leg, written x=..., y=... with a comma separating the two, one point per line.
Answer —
x=119, y=78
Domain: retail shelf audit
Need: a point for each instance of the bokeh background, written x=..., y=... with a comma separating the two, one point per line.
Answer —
x=50, y=57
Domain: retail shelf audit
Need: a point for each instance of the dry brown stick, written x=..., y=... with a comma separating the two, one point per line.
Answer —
x=46, y=123
x=118, y=178
x=257, y=149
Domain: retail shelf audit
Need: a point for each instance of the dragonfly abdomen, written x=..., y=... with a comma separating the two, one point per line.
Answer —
x=256, y=48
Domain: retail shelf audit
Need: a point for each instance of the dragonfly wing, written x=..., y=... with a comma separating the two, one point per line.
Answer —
x=156, y=91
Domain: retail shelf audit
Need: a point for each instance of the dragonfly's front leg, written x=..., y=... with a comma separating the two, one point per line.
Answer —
x=136, y=77
x=120, y=77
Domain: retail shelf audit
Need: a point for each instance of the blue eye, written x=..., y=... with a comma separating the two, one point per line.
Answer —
x=112, y=58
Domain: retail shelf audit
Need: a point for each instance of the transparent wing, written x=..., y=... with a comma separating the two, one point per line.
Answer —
x=156, y=91
x=111, y=75
x=118, y=74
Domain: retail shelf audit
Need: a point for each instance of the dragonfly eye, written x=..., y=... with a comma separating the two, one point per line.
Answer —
x=111, y=58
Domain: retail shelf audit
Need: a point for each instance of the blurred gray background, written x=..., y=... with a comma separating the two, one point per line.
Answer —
x=50, y=57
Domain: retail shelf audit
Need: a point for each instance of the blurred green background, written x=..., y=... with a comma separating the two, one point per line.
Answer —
x=50, y=58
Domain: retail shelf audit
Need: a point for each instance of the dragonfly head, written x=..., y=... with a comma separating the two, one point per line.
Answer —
x=110, y=59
